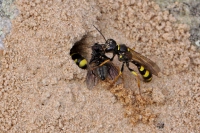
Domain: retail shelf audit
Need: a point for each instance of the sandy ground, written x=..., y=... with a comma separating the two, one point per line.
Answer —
x=43, y=90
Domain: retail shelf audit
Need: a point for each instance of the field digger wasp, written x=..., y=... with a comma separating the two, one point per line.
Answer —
x=80, y=61
x=126, y=55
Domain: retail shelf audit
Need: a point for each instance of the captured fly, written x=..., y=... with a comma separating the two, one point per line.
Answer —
x=100, y=67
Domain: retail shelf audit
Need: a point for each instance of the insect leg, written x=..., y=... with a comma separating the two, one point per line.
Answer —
x=120, y=73
x=112, y=57
x=134, y=73
x=106, y=61
x=103, y=63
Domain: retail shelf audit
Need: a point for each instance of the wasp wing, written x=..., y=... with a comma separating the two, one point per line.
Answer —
x=144, y=61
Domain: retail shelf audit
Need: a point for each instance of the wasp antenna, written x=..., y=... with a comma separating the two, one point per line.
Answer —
x=99, y=32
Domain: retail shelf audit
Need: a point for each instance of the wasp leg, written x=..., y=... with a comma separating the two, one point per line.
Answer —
x=134, y=73
x=106, y=61
x=112, y=57
x=120, y=73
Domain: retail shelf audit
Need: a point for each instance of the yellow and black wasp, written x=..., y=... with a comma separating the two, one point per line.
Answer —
x=100, y=67
x=80, y=61
x=126, y=55
x=145, y=66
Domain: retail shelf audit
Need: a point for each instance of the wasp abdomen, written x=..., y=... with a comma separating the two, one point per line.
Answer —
x=79, y=60
x=147, y=75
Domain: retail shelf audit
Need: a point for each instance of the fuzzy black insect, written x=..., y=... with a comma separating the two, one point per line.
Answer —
x=99, y=67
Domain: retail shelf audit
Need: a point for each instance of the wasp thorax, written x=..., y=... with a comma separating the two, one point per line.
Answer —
x=122, y=48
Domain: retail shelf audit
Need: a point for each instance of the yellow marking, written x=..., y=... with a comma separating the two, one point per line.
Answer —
x=141, y=68
x=75, y=60
x=146, y=74
x=128, y=49
x=118, y=47
x=120, y=56
x=83, y=63
x=133, y=72
x=72, y=54
x=147, y=80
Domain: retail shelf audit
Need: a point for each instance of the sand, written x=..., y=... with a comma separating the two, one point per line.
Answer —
x=43, y=90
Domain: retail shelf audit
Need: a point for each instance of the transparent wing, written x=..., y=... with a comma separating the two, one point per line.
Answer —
x=91, y=79
x=113, y=71
x=144, y=61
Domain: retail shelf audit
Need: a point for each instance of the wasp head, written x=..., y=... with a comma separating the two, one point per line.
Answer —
x=110, y=45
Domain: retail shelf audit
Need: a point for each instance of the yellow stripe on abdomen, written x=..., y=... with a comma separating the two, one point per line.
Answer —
x=83, y=63
x=147, y=76
x=141, y=68
x=79, y=60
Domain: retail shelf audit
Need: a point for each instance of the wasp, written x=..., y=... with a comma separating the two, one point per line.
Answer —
x=100, y=67
x=126, y=55
x=80, y=61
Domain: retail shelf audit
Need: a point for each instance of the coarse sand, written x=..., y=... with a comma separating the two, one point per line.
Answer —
x=43, y=90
